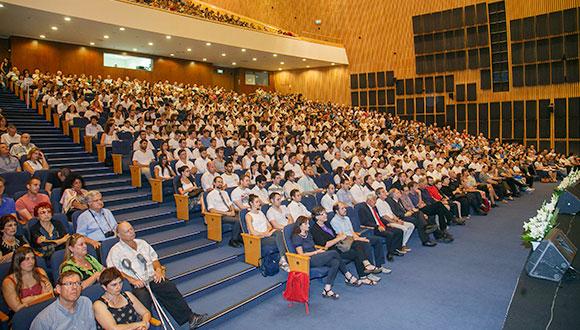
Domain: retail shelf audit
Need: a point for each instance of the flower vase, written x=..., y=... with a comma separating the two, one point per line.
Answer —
x=535, y=245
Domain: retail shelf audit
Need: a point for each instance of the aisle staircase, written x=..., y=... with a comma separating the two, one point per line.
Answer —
x=212, y=276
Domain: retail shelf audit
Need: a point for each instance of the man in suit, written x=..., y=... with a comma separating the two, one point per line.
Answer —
x=369, y=216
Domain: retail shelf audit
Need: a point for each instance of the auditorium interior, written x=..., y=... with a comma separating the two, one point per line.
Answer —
x=229, y=164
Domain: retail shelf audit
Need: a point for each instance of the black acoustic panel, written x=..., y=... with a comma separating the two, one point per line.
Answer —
x=460, y=92
x=542, y=29
x=459, y=38
x=494, y=129
x=439, y=104
x=472, y=127
x=429, y=85
x=457, y=18
x=450, y=115
x=353, y=81
x=560, y=118
x=391, y=110
x=429, y=64
x=380, y=79
x=354, y=99
x=518, y=119
x=529, y=28
x=427, y=23
x=543, y=74
x=483, y=120
x=449, y=40
x=461, y=113
x=440, y=62
x=390, y=78
x=473, y=59
x=409, y=86
x=419, y=45
x=560, y=146
x=531, y=119
x=440, y=120
x=428, y=43
x=558, y=72
x=438, y=42
x=471, y=92
x=410, y=106
x=417, y=24
x=574, y=118
x=363, y=99
x=542, y=50
x=544, y=145
x=518, y=53
x=400, y=87
x=516, y=30
x=419, y=85
x=372, y=80
x=531, y=75
x=544, y=118
x=484, y=57
x=530, y=51
x=420, y=117
x=570, y=20
x=429, y=104
x=555, y=19
x=506, y=120
x=362, y=80
x=556, y=48
x=419, y=105
x=461, y=126
x=517, y=76
x=472, y=113
x=439, y=84
x=446, y=17
x=436, y=21
x=372, y=98
x=450, y=61
x=571, y=46
x=469, y=12
x=572, y=74
x=381, y=97
x=382, y=109
x=449, y=84
x=471, y=37
x=461, y=60
x=494, y=111
x=390, y=96
x=482, y=35
x=485, y=79
x=419, y=65
x=400, y=106
x=481, y=12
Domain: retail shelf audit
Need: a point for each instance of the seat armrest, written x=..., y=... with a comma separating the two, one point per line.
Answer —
x=298, y=263
x=252, y=249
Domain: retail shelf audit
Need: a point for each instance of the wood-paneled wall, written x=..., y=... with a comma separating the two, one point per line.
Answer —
x=322, y=84
x=52, y=56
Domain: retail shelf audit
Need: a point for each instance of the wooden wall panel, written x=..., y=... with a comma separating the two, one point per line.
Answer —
x=51, y=56
x=323, y=84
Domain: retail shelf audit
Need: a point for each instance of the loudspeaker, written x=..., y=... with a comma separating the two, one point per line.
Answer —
x=569, y=201
x=552, y=258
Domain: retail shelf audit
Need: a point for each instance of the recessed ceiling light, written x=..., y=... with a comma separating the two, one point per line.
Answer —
x=223, y=54
x=67, y=19
x=42, y=36
x=279, y=69
x=189, y=49
x=106, y=36
x=332, y=64
x=204, y=59
x=303, y=60
x=275, y=55
x=208, y=43
x=150, y=44
x=308, y=66
x=233, y=63
x=172, y=54
x=134, y=49
x=91, y=43
x=243, y=49
x=282, y=63
x=121, y=29
x=167, y=37
x=1, y=5
x=254, y=59
x=54, y=28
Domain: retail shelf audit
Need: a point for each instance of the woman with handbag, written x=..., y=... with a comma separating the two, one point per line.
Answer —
x=347, y=247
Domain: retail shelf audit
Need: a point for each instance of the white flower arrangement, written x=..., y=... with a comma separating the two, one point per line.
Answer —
x=569, y=180
x=536, y=228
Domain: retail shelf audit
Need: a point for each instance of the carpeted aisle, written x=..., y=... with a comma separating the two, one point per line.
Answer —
x=463, y=285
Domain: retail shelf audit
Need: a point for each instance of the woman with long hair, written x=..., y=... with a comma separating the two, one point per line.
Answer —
x=163, y=170
x=26, y=284
x=73, y=195
x=36, y=161
x=10, y=239
x=77, y=259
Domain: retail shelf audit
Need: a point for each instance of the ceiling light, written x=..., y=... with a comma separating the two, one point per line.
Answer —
x=54, y=28
x=275, y=55
x=121, y=29
x=167, y=37
x=42, y=36
x=279, y=69
x=189, y=49
x=91, y=43
x=332, y=64
x=243, y=49
x=106, y=36
x=150, y=44
x=204, y=59
x=171, y=54
x=67, y=19
x=134, y=49
x=233, y=63
x=254, y=59
x=223, y=54
x=308, y=66
x=208, y=43
x=282, y=63
x=303, y=60
x=1, y=5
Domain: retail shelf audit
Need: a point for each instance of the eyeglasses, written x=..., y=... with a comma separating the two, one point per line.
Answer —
x=71, y=284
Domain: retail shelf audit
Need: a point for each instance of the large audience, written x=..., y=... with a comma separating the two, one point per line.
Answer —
x=242, y=152
x=193, y=8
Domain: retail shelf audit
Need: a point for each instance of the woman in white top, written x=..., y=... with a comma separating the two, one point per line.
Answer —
x=163, y=170
x=258, y=225
x=109, y=135
x=329, y=199
x=36, y=161
x=73, y=197
x=278, y=214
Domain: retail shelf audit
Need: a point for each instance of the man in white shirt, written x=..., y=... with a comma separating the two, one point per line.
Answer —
x=290, y=183
x=208, y=176
x=93, y=128
x=20, y=149
x=142, y=158
x=292, y=165
x=296, y=207
x=10, y=137
x=241, y=194
x=183, y=146
x=358, y=191
x=338, y=162
x=201, y=162
x=142, y=136
x=260, y=189
x=278, y=214
x=219, y=202
x=307, y=183
x=378, y=183
x=183, y=161
x=230, y=178
x=387, y=214
x=329, y=199
x=275, y=186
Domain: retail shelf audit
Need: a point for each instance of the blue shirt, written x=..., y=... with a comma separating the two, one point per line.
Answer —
x=307, y=243
x=56, y=317
x=342, y=225
x=94, y=225
x=7, y=206
x=345, y=196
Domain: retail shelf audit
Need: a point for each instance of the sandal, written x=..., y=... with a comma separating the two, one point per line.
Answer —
x=330, y=294
x=372, y=270
x=368, y=281
x=352, y=281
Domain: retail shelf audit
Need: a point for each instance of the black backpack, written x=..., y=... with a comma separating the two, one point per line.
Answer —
x=269, y=265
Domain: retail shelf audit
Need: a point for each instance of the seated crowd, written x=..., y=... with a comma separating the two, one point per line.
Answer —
x=241, y=152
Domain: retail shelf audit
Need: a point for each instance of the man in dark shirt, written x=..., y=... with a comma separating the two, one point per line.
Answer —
x=56, y=179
